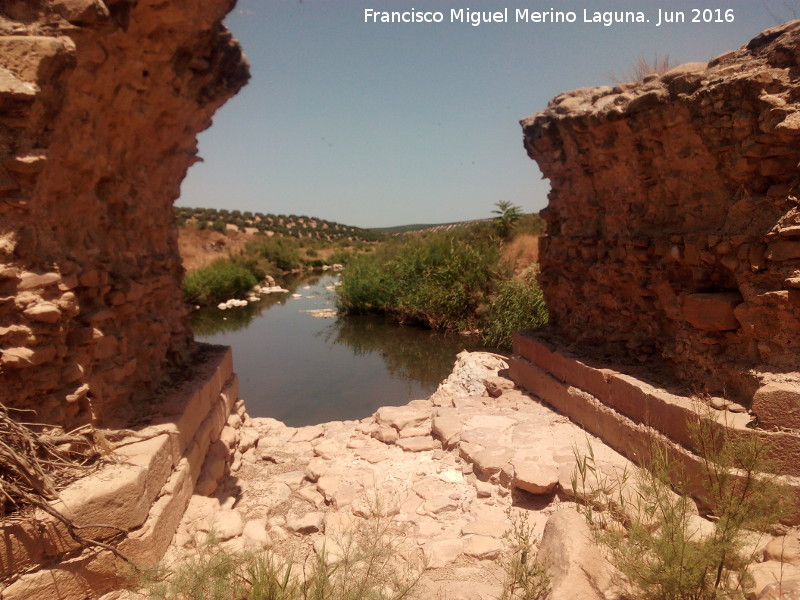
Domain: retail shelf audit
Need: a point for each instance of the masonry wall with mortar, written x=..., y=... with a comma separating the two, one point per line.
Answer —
x=674, y=221
x=100, y=104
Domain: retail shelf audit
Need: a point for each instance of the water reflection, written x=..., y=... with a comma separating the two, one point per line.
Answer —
x=408, y=352
x=304, y=370
x=209, y=320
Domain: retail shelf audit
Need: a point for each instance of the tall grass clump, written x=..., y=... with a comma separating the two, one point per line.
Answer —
x=518, y=304
x=662, y=547
x=221, y=280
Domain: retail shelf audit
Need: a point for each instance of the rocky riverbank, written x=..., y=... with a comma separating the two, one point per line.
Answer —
x=455, y=470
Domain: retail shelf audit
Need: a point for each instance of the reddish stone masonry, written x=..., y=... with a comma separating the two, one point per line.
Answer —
x=674, y=223
x=100, y=105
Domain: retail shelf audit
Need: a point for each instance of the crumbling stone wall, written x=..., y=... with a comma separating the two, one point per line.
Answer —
x=673, y=220
x=100, y=104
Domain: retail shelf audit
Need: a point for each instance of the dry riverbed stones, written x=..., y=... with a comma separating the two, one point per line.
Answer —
x=452, y=474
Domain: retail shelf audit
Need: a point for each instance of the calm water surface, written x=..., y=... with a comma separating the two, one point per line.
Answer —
x=304, y=370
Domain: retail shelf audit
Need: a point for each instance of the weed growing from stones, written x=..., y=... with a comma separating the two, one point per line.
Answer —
x=655, y=537
x=361, y=563
x=365, y=562
x=525, y=579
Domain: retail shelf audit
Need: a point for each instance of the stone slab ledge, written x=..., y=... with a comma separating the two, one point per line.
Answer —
x=646, y=404
x=626, y=413
x=143, y=490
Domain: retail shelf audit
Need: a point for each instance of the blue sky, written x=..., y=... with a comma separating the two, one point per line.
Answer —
x=376, y=125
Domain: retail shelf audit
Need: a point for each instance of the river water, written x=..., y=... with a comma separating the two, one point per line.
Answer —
x=305, y=370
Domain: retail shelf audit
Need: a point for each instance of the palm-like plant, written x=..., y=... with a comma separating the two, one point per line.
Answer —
x=507, y=216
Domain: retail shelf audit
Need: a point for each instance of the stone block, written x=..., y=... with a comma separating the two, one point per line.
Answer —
x=416, y=444
x=87, y=576
x=387, y=435
x=16, y=89
x=574, y=564
x=769, y=573
x=491, y=460
x=540, y=354
x=536, y=477
x=23, y=358
x=255, y=534
x=29, y=281
x=447, y=428
x=82, y=12
x=400, y=417
x=36, y=58
x=148, y=544
x=114, y=496
x=226, y=524
x=777, y=404
x=310, y=522
x=495, y=386
x=21, y=547
x=155, y=457
x=483, y=547
x=785, y=549
x=441, y=552
x=44, y=312
x=783, y=250
x=711, y=311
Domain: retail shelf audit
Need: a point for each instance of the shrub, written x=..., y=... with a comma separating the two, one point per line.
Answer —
x=438, y=280
x=525, y=579
x=219, y=281
x=518, y=304
x=662, y=550
x=642, y=67
x=341, y=257
x=532, y=224
x=365, y=287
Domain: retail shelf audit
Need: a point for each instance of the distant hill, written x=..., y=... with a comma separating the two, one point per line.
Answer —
x=297, y=226
x=426, y=228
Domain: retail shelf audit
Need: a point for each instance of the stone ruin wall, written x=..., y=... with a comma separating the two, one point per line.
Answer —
x=674, y=222
x=100, y=104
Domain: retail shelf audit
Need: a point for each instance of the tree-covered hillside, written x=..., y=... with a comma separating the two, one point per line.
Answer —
x=301, y=226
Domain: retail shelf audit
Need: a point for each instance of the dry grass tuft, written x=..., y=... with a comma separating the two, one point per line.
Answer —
x=521, y=252
x=642, y=67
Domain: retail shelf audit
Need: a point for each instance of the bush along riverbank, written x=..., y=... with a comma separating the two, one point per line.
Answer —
x=262, y=259
x=461, y=280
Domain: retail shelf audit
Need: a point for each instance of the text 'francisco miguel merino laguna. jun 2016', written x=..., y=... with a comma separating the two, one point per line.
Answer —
x=608, y=18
